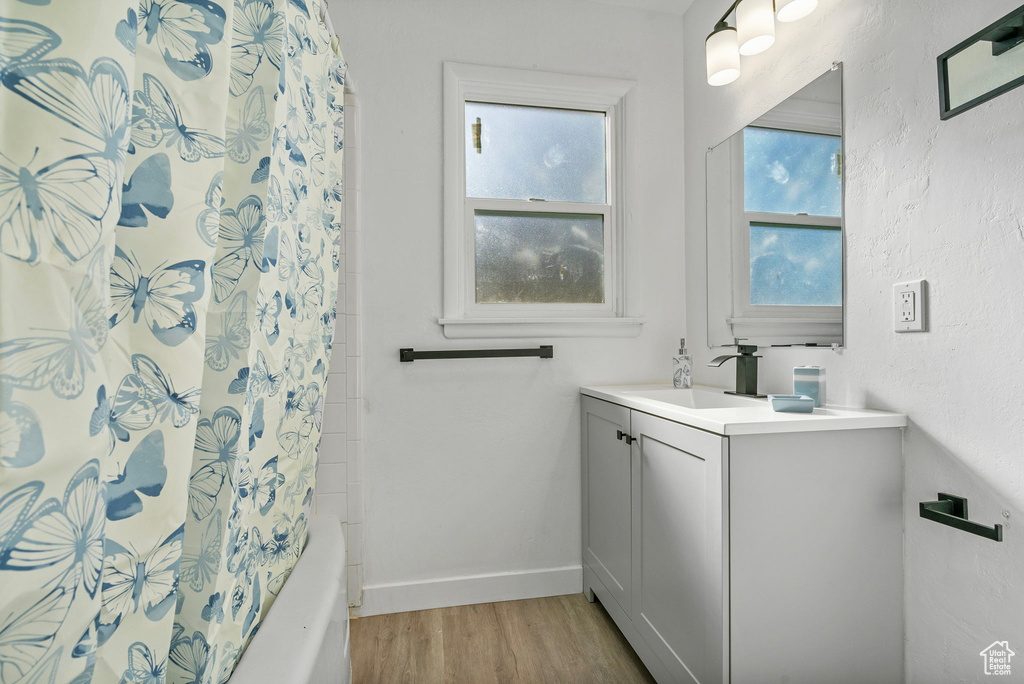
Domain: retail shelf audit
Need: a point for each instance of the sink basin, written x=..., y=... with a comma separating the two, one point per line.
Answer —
x=696, y=398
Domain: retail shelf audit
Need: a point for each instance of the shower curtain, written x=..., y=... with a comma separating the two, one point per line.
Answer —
x=170, y=188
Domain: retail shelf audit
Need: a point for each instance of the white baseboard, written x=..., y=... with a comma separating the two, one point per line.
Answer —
x=380, y=599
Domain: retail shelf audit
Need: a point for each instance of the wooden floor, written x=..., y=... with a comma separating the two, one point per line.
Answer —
x=560, y=640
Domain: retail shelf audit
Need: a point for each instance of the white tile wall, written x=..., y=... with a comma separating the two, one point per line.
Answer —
x=355, y=544
x=335, y=415
x=355, y=584
x=332, y=478
x=353, y=330
x=339, y=482
x=338, y=358
x=337, y=388
x=355, y=414
x=333, y=447
x=354, y=459
x=332, y=504
x=355, y=503
x=354, y=379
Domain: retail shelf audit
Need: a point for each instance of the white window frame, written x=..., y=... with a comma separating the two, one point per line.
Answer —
x=782, y=324
x=463, y=316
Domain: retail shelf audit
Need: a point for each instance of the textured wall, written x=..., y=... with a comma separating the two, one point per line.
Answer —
x=472, y=467
x=939, y=200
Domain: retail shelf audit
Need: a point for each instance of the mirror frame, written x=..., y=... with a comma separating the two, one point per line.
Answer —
x=991, y=34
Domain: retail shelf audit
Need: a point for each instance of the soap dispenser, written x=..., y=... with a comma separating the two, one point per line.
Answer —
x=682, y=368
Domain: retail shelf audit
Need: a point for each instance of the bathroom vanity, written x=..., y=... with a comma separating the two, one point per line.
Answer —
x=733, y=544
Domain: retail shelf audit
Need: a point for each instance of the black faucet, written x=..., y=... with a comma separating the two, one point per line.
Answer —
x=746, y=370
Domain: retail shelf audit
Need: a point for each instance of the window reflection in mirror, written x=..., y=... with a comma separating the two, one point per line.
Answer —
x=775, y=222
x=790, y=172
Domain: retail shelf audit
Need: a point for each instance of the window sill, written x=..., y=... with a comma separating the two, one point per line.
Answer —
x=468, y=328
x=767, y=331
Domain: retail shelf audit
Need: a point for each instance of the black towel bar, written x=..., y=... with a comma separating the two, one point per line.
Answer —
x=952, y=510
x=407, y=355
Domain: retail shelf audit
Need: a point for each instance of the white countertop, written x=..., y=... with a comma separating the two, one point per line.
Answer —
x=709, y=408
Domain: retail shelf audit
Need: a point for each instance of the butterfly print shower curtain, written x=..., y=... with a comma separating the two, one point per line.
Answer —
x=170, y=198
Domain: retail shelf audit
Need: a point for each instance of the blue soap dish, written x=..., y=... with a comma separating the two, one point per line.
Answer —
x=791, y=403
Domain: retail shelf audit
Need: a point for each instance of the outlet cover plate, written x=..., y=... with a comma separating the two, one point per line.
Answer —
x=908, y=303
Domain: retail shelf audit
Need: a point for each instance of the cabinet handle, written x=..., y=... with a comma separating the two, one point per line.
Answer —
x=620, y=435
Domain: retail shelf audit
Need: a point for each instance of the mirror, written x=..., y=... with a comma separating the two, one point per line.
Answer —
x=988, y=64
x=775, y=224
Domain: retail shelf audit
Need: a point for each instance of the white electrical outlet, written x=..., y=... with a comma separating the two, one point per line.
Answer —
x=909, y=306
x=907, y=300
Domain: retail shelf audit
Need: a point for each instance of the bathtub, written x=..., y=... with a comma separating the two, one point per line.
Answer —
x=304, y=638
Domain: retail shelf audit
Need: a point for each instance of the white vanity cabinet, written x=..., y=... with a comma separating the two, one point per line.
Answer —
x=607, y=475
x=748, y=556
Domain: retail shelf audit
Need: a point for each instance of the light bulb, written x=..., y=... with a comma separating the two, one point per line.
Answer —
x=792, y=10
x=755, y=25
x=723, y=55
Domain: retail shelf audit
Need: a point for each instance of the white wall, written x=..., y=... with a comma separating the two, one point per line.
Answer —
x=339, y=476
x=939, y=200
x=472, y=466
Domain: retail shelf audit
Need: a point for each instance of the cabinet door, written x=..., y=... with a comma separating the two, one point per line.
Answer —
x=606, y=497
x=678, y=552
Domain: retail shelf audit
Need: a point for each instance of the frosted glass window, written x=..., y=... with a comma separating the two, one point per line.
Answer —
x=535, y=153
x=786, y=172
x=539, y=258
x=795, y=266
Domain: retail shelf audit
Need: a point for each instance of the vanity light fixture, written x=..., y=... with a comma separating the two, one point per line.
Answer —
x=794, y=10
x=755, y=25
x=723, y=54
x=754, y=33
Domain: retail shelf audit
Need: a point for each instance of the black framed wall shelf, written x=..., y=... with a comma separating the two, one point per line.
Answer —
x=984, y=66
